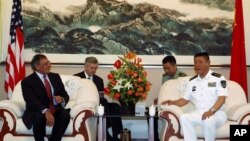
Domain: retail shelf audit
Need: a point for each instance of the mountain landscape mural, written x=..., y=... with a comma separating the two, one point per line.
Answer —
x=114, y=27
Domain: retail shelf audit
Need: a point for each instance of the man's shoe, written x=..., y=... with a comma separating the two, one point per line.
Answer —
x=109, y=138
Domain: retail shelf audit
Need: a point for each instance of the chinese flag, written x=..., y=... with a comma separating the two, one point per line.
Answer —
x=238, y=71
x=15, y=67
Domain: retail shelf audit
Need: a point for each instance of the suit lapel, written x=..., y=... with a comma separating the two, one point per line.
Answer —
x=38, y=83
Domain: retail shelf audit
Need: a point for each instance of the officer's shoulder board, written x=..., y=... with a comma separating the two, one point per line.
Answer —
x=216, y=74
x=181, y=74
x=193, y=77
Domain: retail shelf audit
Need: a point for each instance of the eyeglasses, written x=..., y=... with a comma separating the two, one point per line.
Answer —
x=44, y=63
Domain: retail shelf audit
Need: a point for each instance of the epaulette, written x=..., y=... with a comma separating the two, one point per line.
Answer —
x=216, y=74
x=193, y=77
x=181, y=74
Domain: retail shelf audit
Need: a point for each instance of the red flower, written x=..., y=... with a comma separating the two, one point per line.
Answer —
x=130, y=92
x=106, y=90
x=117, y=96
x=118, y=64
x=139, y=79
x=110, y=76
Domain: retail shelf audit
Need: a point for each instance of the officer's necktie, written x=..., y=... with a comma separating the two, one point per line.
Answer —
x=49, y=93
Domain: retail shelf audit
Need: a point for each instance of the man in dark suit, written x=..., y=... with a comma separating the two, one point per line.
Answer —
x=90, y=67
x=45, y=97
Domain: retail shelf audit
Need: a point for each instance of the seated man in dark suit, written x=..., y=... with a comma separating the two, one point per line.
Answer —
x=45, y=97
x=90, y=67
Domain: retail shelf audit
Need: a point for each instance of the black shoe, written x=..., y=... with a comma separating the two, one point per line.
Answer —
x=109, y=138
x=116, y=139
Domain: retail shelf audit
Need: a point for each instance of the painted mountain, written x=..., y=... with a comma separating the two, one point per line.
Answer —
x=113, y=27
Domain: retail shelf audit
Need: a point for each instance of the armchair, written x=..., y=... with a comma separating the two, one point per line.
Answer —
x=236, y=107
x=84, y=98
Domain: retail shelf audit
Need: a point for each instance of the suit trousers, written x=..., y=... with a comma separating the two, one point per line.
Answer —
x=62, y=118
x=115, y=122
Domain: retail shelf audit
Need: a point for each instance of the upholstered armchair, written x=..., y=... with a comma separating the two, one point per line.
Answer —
x=84, y=98
x=236, y=107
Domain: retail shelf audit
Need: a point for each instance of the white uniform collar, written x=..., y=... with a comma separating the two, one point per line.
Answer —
x=207, y=76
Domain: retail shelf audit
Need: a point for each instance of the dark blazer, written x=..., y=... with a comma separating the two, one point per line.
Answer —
x=35, y=95
x=96, y=79
x=115, y=123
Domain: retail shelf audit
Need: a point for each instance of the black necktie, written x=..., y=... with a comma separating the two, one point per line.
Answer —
x=49, y=93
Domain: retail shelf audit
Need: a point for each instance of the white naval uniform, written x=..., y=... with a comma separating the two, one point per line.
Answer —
x=204, y=93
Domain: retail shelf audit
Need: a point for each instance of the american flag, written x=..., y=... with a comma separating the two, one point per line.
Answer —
x=15, y=67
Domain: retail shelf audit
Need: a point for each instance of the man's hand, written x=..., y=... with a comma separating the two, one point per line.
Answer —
x=178, y=102
x=168, y=102
x=50, y=118
x=58, y=99
x=207, y=114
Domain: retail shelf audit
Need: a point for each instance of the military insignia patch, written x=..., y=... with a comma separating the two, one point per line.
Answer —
x=223, y=83
x=182, y=74
x=211, y=84
x=193, y=77
x=216, y=74
x=193, y=88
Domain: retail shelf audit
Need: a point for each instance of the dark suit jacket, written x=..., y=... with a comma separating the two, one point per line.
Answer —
x=113, y=108
x=35, y=95
x=96, y=79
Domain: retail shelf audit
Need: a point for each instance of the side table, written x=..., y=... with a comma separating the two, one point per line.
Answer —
x=102, y=125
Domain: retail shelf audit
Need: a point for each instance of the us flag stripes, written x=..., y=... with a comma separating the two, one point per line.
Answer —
x=15, y=67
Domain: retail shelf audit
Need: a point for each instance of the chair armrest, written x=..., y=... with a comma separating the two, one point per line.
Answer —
x=171, y=115
x=71, y=103
x=83, y=106
x=14, y=107
x=238, y=112
x=171, y=108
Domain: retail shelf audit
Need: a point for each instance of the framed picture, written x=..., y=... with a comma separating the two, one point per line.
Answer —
x=69, y=31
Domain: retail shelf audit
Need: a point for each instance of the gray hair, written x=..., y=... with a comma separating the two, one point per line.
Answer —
x=91, y=60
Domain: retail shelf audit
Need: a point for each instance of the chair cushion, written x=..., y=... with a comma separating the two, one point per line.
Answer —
x=21, y=128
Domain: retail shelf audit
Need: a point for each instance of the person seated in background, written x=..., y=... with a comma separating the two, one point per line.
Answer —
x=170, y=72
x=45, y=98
x=208, y=91
x=89, y=72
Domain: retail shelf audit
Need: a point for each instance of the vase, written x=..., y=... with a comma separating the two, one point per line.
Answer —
x=127, y=108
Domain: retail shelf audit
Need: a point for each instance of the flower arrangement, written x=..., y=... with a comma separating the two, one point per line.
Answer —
x=128, y=82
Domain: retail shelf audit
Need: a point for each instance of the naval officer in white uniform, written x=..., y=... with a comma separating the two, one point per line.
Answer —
x=208, y=91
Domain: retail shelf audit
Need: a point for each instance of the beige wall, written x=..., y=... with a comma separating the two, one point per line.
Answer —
x=154, y=75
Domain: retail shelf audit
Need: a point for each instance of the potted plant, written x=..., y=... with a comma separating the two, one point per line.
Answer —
x=128, y=82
